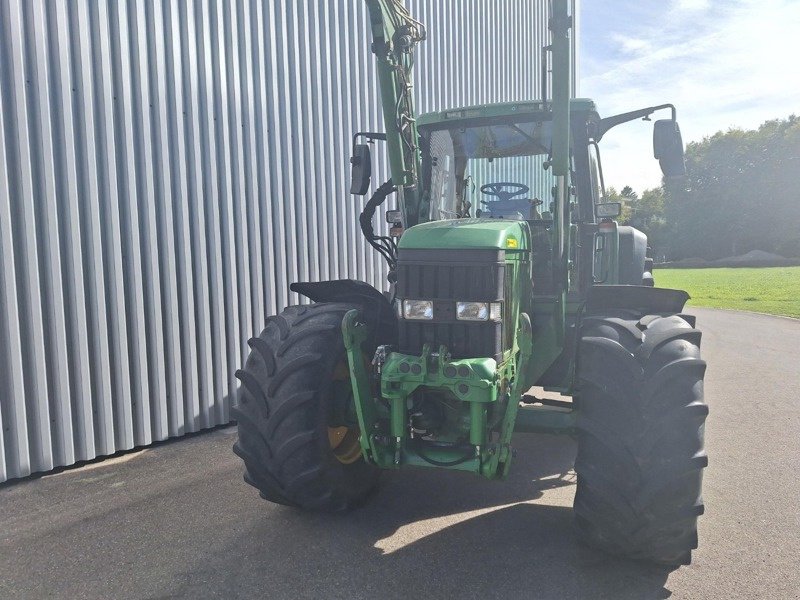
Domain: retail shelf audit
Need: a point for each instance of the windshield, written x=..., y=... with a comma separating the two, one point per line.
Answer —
x=490, y=168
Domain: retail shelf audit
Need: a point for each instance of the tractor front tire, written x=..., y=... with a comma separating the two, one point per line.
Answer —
x=640, y=436
x=293, y=453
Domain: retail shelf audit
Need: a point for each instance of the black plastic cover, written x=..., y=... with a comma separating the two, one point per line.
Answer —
x=376, y=309
x=446, y=277
x=632, y=256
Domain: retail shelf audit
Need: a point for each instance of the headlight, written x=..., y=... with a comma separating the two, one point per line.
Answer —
x=418, y=310
x=479, y=311
x=472, y=311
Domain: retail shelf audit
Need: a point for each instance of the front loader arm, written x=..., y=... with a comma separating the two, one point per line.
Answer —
x=395, y=35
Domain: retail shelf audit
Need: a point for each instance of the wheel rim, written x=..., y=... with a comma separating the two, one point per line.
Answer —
x=344, y=443
x=344, y=440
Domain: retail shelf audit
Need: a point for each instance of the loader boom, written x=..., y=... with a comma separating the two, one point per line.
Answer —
x=395, y=35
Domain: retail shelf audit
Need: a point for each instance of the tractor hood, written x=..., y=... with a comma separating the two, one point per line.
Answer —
x=495, y=234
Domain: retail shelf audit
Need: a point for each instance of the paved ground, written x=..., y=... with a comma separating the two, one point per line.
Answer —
x=177, y=521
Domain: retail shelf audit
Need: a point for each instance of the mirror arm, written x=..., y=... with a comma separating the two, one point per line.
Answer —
x=610, y=122
x=369, y=136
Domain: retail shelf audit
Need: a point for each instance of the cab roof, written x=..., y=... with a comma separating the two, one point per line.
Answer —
x=505, y=109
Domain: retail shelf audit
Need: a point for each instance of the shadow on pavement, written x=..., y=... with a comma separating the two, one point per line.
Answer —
x=434, y=535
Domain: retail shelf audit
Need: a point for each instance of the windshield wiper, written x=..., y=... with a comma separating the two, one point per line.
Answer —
x=536, y=143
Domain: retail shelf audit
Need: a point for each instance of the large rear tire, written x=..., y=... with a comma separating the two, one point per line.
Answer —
x=296, y=448
x=640, y=443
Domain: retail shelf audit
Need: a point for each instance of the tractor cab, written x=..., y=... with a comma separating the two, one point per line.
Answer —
x=492, y=161
x=489, y=162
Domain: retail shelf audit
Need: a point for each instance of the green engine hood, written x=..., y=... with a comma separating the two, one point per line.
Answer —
x=499, y=234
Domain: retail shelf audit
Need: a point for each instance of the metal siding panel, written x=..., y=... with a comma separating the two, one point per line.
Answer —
x=328, y=99
x=262, y=174
x=15, y=458
x=184, y=404
x=252, y=209
x=308, y=150
x=113, y=398
x=275, y=173
x=151, y=346
x=71, y=141
x=212, y=211
x=170, y=167
x=166, y=406
x=74, y=34
x=239, y=243
x=20, y=185
x=46, y=204
x=345, y=99
x=193, y=218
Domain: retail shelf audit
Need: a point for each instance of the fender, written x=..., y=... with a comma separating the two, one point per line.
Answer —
x=646, y=300
x=376, y=310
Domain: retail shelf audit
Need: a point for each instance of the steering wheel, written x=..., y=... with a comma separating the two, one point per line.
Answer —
x=505, y=190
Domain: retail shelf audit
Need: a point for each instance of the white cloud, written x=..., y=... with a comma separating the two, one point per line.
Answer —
x=690, y=5
x=736, y=65
x=630, y=45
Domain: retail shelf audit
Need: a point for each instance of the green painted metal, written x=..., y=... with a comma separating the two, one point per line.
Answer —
x=385, y=439
x=402, y=375
x=469, y=233
x=561, y=25
x=547, y=339
x=500, y=460
x=483, y=402
x=354, y=333
x=500, y=110
x=395, y=35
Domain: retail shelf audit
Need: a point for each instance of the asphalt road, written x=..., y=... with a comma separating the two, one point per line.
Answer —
x=177, y=521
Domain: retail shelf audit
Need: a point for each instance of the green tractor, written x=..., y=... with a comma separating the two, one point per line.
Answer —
x=507, y=271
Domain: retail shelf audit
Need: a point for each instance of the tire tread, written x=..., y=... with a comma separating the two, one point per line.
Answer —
x=282, y=438
x=640, y=436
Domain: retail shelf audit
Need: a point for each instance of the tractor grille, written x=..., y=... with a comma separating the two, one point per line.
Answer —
x=446, y=277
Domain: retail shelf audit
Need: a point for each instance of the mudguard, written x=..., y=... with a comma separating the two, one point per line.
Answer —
x=375, y=308
x=646, y=300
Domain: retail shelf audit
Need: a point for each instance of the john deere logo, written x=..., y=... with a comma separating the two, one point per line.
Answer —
x=512, y=243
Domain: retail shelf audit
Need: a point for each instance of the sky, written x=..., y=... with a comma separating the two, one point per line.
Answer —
x=723, y=63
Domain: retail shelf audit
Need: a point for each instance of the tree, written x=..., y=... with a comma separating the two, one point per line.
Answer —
x=741, y=194
x=625, y=197
x=646, y=213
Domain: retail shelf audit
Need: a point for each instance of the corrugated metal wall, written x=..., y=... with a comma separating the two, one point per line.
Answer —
x=166, y=169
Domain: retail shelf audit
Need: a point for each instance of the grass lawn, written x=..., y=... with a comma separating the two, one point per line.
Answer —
x=775, y=290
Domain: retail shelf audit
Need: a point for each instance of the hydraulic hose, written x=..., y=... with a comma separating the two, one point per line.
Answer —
x=386, y=246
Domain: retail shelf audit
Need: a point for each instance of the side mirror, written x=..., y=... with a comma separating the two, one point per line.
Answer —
x=668, y=148
x=361, y=170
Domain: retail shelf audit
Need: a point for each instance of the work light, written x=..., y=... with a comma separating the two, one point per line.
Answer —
x=611, y=210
